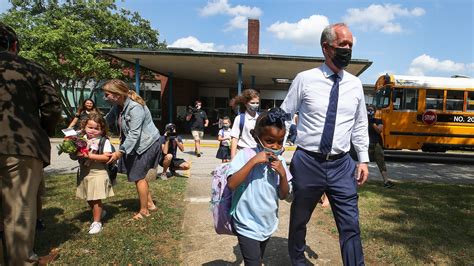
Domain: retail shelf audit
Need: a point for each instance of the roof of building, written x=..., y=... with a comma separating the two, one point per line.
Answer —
x=222, y=68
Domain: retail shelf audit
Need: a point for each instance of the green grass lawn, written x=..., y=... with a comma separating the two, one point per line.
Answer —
x=154, y=240
x=414, y=223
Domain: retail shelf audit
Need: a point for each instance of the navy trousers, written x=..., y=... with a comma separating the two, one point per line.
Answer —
x=312, y=176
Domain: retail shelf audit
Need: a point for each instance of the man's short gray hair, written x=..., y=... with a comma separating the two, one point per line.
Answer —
x=328, y=35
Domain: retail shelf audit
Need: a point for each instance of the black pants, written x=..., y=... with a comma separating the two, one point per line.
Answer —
x=252, y=250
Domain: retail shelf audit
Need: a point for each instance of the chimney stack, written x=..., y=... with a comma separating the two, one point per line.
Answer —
x=253, y=37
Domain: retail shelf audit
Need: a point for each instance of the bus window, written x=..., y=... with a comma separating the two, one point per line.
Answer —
x=454, y=100
x=382, y=98
x=397, y=98
x=434, y=99
x=470, y=101
x=405, y=99
x=411, y=99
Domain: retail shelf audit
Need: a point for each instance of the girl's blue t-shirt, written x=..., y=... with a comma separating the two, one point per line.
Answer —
x=256, y=212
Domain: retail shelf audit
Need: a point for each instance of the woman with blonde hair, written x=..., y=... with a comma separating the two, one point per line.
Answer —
x=248, y=103
x=139, y=149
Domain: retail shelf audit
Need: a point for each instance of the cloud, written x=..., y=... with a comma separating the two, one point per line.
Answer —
x=307, y=31
x=425, y=63
x=239, y=13
x=195, y=44
x=238, y=22
x=380, y=17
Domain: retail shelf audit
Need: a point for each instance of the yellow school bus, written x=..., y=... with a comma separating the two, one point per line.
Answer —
x=429, y=113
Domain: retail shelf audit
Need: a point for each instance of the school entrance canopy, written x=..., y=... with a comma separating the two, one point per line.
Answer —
x=260, y=71
x=186, y=72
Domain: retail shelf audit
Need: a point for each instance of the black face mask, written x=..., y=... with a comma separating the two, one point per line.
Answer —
x=342, y=57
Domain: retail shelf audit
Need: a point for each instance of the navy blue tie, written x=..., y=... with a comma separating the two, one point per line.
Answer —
x=325, y=144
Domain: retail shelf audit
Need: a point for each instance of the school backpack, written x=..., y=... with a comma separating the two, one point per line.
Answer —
x=242, y=122
x=112, y=168
x=221, y=197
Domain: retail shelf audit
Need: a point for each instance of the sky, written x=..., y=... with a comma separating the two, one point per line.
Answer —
x=417, y=37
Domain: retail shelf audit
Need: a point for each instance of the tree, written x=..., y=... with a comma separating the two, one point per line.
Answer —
x=65, y=36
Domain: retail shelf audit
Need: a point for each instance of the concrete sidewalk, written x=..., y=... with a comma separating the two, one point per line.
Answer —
x=202, y=246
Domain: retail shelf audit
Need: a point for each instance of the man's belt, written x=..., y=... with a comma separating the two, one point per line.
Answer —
x=323, y=157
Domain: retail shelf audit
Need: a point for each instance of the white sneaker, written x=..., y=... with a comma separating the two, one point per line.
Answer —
x=164, y=176
x=95, y=228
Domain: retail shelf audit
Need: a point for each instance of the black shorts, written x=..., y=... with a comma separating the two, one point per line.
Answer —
x=175, y=163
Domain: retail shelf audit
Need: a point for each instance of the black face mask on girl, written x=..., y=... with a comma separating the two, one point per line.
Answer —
x=342, y=57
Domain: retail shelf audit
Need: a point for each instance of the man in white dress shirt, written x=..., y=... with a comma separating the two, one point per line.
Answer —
x=332, y=112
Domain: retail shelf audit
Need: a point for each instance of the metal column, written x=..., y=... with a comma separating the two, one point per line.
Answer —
x=170, y=97
x=239, y=79
x=137, y=76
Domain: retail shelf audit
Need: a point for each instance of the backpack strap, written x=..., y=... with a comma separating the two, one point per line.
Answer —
x=241, y=123
x=101, y=144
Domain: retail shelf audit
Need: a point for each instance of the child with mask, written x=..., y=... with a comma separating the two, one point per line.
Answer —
x=257, y=184
x=248, y=104
x=223, y=137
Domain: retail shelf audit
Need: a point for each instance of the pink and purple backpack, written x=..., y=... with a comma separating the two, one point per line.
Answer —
x=221, y=197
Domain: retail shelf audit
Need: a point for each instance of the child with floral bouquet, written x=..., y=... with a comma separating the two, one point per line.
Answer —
x=73, y=145
x=93, y=181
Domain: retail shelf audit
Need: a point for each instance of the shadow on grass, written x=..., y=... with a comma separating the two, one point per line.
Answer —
x=86, y=216
x=129, y=205
x=433, y=223
x=275, y=254
x=57, y=231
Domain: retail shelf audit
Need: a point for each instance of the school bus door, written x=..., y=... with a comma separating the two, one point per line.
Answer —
x=400, y=119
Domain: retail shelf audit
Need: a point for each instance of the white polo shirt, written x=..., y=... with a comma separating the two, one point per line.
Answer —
x=246, y=140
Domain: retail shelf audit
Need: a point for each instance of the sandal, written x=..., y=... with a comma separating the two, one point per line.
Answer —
x=140, y=216
x=154, y=209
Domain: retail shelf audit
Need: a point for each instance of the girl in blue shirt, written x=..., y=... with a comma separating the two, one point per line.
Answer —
x=258, y=183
